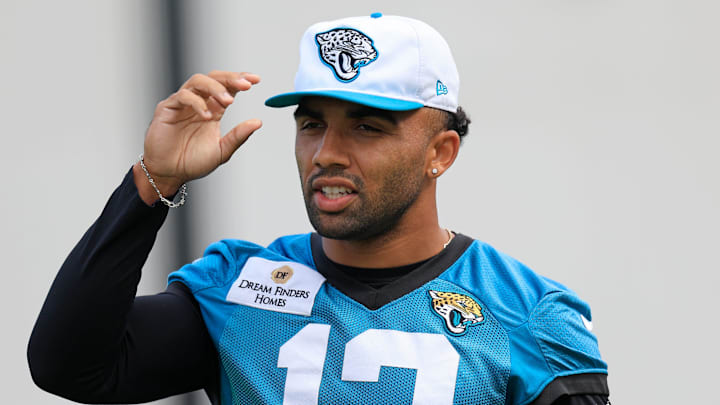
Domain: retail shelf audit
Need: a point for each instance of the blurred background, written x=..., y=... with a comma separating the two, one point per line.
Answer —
x=592, y=155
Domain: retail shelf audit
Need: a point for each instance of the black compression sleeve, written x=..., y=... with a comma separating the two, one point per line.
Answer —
x=577, y=389
x=585, y=399
x=94, y=341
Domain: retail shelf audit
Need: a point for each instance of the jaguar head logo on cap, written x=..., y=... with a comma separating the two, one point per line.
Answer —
x=345, y=50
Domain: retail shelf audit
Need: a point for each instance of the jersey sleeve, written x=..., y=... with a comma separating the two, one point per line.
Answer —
x=213, y=269
x=210, y=277
x=219, y=266
x=555, y=353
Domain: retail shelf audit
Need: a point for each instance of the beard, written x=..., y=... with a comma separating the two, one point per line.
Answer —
x=372, y=214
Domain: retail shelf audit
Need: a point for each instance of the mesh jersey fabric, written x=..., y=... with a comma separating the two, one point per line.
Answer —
x=531, y=332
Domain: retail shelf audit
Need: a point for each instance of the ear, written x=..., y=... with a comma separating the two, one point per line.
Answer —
x=441, y=153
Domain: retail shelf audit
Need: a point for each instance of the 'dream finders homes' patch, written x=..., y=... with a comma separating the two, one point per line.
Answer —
x=276, y=286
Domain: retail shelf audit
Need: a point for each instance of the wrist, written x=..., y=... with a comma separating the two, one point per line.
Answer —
x=164, y=187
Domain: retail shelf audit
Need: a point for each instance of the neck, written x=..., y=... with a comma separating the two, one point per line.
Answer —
x=416, y=237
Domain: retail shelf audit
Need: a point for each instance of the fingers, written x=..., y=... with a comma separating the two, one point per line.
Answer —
x=209, y=95
x=236, y=137
x=234, y=81
x=186, y=98
x=208, y=87
x=216, y=109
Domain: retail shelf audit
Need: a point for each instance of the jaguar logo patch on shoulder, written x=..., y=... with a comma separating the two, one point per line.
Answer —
x=459, y=311
x=276, y=286
x=345, y=50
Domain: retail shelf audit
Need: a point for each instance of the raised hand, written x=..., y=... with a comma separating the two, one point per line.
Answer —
x=183, y=141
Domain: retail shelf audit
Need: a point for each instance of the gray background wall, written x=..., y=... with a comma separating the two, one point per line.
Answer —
x=591, y=157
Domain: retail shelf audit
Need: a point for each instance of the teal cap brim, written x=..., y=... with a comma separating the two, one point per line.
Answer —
x=370, y=100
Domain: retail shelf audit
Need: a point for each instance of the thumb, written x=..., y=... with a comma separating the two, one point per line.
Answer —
x=236, y=137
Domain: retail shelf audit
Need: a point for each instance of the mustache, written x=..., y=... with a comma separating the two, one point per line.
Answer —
x=336, y=172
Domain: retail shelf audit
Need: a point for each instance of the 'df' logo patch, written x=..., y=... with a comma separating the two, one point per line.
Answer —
x=459, y=311
x=281, y=275
x=345, y=50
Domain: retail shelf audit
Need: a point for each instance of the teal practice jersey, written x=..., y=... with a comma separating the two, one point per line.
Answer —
x=469, y=326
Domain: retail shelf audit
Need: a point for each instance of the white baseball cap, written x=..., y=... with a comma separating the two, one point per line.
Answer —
x=386, y=62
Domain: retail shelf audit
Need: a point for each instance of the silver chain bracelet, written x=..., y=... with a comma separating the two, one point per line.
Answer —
x=171, y=204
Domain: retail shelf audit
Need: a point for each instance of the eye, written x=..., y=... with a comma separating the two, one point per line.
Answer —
x=368, y=128
x=309, y=124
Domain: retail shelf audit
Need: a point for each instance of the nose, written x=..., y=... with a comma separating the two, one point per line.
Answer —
x=331, y=150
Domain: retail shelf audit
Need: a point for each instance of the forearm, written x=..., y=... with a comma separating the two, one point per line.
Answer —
x=82, y=325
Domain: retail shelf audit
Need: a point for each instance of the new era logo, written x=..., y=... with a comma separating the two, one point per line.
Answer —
x=441, y=88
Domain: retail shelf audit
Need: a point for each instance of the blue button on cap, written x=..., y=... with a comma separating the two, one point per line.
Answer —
x=376, y=15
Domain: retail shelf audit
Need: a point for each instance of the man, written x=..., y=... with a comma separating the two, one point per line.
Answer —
x=381, y=305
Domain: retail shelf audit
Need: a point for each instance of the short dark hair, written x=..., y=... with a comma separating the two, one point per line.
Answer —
x=459, y=122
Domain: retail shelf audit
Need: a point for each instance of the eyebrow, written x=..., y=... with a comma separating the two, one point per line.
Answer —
x=367, y=112
x=355, y=113
x=304, y=111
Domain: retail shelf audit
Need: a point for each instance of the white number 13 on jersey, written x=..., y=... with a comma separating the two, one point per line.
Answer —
x=432, y=355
